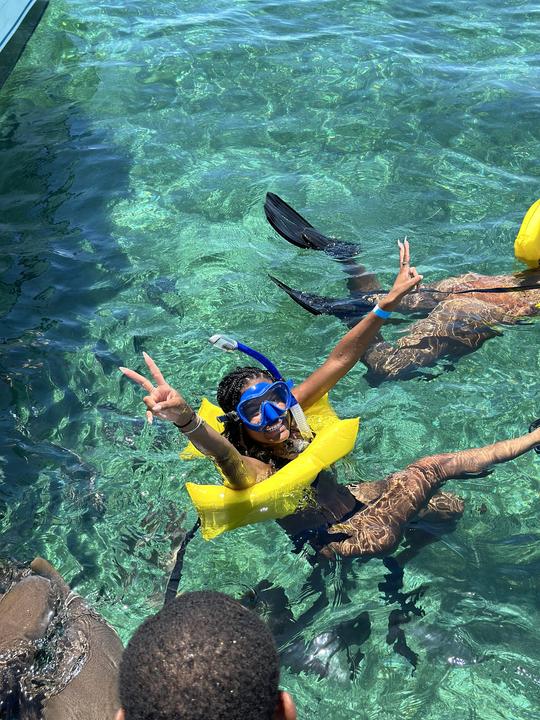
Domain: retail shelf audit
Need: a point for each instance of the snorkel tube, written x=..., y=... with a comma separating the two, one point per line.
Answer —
x=229, y=345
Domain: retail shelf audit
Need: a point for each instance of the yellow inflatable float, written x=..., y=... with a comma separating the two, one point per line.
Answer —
x=527, y=243
x=221, y=509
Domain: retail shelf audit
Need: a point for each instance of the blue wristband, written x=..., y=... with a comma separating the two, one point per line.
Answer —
x=379, y=312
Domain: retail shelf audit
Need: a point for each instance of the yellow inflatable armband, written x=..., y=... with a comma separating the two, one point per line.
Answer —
x=527, y=243
x=221, y=509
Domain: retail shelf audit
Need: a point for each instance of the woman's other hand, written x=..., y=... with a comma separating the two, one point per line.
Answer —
x=163, y=401
x=407, y=279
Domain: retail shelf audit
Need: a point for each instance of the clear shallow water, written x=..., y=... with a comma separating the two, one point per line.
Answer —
x=137, y=143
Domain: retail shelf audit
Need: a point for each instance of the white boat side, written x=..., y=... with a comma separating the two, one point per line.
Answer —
x=12, y=13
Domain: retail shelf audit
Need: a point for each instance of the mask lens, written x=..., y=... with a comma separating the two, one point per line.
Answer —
x=251, y=409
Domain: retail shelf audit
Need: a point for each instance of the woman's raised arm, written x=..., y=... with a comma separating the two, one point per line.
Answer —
x=164, y=402
x=350, y=348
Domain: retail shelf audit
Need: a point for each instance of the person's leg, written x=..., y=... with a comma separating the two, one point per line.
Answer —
x=438, y=517
x=377, y=529
x=522, y=303
x=442, y=507
x=458, y=324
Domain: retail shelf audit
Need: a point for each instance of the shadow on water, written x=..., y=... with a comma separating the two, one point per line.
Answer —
x=335, y=650
x=59, y=262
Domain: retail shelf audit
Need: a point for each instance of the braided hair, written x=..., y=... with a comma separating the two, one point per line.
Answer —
x=231, y=386
x=229, y=393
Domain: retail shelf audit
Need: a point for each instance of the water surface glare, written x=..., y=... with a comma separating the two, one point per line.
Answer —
x=137, y=143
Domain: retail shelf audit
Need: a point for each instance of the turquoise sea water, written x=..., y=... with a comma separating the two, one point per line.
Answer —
x=137, y=142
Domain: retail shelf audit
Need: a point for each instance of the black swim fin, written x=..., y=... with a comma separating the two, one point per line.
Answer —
x=298, y=231
x=350, y=310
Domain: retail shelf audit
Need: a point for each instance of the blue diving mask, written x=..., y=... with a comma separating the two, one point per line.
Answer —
x=265, y=403
x=265, y=409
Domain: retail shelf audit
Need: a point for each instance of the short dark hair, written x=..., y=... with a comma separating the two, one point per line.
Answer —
x=203, y=656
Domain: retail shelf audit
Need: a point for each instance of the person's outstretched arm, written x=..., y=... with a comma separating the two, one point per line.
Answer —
x=350, y=349
x=164, y=402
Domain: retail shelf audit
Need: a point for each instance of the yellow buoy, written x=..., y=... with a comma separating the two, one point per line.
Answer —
x=221, y=509
x=527, y=244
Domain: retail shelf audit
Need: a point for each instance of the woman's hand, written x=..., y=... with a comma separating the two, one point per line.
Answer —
x=407, y=279
x=352, y=347
x=163, y=400
x=166, y=403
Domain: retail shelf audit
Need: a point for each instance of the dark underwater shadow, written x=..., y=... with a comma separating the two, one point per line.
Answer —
x=59, y=263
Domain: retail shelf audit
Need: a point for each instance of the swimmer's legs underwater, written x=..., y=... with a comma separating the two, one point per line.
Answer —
x=438, y=517
x=376, y=530
x=363, y=285
x=334, y=650
x=504, y=291
x=457, y=326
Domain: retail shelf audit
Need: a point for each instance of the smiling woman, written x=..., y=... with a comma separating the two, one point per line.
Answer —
x=221, y=509
x=248, y=451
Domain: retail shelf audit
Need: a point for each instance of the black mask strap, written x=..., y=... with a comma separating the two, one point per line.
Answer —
x=230, y=416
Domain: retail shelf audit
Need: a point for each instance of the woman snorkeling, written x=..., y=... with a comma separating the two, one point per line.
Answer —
x=261, y=436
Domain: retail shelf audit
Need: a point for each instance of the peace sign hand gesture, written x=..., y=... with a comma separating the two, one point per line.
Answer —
x=163, y=401
x=407, y=278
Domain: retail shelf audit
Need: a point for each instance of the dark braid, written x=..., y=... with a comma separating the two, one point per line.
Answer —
x=228, y=396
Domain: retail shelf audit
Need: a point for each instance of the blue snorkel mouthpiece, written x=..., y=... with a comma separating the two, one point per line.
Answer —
x=229, y=345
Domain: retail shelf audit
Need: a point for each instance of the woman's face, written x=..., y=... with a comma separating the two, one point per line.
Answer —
x=273, y=434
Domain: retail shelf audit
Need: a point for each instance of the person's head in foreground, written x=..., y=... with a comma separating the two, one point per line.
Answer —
x=203, y=656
